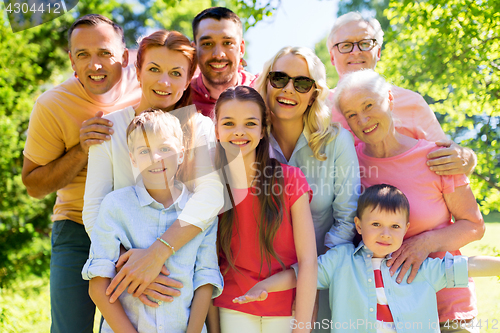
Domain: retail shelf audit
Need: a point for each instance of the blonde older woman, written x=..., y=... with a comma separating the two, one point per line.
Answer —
x=293, y=84
x=365, y=100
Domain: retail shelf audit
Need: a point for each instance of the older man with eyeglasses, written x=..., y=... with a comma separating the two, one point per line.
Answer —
x=355, y=43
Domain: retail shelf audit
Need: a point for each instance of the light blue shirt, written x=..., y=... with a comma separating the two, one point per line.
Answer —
x=334, y=182
x=348, y=274
x=131, y=217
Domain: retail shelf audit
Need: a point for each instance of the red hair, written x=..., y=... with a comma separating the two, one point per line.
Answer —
x=174, y=41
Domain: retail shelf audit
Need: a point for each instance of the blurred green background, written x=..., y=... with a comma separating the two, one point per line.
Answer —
x=448, y=51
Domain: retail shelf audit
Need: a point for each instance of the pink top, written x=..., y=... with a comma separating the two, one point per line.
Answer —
x=245, y=246
x=201, y=97
x=428, y=210
x=412, y=116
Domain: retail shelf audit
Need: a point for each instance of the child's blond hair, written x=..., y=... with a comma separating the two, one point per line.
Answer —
x=156, y=122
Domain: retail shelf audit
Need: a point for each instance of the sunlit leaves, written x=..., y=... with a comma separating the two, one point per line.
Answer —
x=449, y=52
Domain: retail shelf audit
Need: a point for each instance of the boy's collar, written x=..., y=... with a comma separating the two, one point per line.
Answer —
x=362, y=249
x=145, y=198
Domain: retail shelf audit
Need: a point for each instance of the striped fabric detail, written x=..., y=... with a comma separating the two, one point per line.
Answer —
x=385, y=323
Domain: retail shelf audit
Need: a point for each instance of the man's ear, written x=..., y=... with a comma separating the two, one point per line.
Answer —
x=332, y=59
x=357, y=222
x=242, y=48
x=379, y=53
x=138, y=74
x=125, y=58
x=72, y=61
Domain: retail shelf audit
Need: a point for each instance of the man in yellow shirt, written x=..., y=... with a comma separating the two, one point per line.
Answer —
x=65, y=122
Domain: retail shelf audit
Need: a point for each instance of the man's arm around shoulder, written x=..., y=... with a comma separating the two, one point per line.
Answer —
x=41, y=180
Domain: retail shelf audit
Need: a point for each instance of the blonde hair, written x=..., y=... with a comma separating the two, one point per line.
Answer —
x=353, y=17
x=156, y=122
x=317, y=118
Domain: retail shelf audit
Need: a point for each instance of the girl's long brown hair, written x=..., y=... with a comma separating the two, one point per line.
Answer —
x=269, y=173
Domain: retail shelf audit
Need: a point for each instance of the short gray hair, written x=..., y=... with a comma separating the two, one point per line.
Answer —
x=365, y=78
x=352, y=17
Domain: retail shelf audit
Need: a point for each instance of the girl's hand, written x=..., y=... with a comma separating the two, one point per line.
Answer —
x=253, y=295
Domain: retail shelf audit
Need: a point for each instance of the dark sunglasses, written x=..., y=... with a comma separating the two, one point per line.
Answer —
x=279, y=80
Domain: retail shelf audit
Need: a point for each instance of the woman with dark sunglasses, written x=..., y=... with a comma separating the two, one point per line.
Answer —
x=293, y=84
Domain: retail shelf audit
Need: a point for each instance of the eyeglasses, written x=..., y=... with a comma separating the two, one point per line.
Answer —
x=363, y=45
x=279, y=80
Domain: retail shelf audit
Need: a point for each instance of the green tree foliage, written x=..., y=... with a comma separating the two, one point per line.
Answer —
x=324, y=54
x=178, y=14
x=21, y=218
x=375, y=7
x=450, y=53
x=32, y=61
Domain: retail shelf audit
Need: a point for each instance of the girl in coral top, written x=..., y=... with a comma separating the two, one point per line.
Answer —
x=266, y=225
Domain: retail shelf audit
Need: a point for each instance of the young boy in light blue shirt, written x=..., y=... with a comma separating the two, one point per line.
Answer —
x=137, y=216
x=364, y=297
